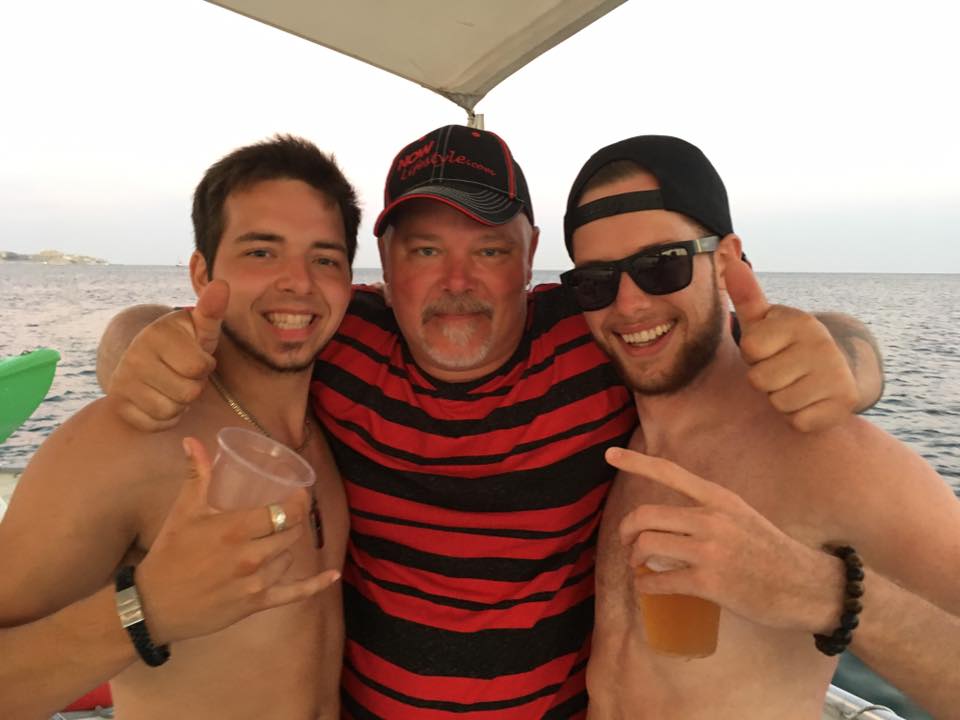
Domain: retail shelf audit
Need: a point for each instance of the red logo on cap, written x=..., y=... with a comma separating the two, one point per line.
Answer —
x=412, y=163
x=410, y=158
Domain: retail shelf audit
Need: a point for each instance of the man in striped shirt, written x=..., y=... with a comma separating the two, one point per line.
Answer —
x=469, y=417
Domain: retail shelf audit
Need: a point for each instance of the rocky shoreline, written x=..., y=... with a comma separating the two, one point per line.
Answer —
x=51, y=257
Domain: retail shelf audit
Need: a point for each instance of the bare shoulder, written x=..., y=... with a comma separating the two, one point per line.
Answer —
x=894, y=473
x=871, y=487
x=838, y=481
x=93, y=451
x=75, y=512
x=91, y=476
x=858, y=449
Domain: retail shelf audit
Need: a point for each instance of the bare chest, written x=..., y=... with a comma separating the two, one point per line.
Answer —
x=772, y=469
x=265, y=665
x=776, y=478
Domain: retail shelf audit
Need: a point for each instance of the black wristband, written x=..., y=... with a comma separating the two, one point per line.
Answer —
x=837, y=641
x=131, y=617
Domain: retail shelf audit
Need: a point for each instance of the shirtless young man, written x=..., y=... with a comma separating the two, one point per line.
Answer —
x=277, y=222
x=763, y=498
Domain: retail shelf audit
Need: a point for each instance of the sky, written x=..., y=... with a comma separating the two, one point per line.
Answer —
x=834, y=123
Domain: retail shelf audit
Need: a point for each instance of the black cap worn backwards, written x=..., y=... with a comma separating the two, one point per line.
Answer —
x=471, y=170
x=689, y=184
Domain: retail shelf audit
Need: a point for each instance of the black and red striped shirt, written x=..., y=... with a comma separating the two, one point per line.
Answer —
x=468, y=584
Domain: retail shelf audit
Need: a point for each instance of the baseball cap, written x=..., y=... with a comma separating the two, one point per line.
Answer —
x=689, y=184
x=470, y=170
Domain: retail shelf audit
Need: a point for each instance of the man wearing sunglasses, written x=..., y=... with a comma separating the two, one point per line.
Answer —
x=468, y=417
x=784, y=530
x=660, y=270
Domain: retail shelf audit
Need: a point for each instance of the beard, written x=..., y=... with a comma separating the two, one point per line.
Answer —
x=247, y=348
x=459, y=354
x=695, y=355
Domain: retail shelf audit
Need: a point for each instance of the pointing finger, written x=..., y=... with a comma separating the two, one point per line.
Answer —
x=666, y=473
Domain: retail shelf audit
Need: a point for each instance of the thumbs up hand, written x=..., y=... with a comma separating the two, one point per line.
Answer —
x=207, y=315
x=166, y=366
x=792, y=356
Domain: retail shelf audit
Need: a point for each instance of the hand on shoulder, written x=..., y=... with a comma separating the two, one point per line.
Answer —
x=792, y=356
x=166, y=366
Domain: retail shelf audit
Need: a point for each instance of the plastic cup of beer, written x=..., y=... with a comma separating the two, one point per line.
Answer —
x=679, y=625
x=251, y=470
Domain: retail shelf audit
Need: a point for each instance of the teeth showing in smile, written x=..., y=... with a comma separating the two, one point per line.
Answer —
x=289, y=321
x=646, y=336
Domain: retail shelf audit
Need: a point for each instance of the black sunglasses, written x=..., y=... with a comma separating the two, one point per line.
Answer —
x=658, y=270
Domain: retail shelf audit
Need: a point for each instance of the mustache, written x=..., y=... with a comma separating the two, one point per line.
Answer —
x=456, y=305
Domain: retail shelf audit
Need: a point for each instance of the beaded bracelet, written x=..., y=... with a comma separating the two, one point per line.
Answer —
x=837, y=641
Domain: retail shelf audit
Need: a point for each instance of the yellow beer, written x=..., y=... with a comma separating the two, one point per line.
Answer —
x=679, y=624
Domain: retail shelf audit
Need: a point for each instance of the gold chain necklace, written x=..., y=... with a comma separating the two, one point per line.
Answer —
x=244, y=414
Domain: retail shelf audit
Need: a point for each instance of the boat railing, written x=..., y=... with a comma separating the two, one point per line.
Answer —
x=843, y=705
x=839, y=705
x=8, y=480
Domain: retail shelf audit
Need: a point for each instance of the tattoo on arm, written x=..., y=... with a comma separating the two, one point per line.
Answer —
x=845, y=331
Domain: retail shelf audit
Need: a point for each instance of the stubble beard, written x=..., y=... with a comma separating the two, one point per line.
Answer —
x=696, y=354
x=247, y=348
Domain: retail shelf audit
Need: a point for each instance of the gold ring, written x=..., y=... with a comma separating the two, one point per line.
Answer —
x=278, y=518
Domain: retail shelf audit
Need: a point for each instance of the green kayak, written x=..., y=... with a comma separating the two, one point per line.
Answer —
x=24, y=382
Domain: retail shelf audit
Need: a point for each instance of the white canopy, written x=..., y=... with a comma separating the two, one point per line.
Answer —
x=458, y=48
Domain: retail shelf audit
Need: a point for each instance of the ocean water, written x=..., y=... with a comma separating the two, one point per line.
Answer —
x=915, y=318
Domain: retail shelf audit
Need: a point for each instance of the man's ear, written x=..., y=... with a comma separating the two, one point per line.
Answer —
x=198, y=272
x=385, y=266
x=534, y=239
x=729, y=250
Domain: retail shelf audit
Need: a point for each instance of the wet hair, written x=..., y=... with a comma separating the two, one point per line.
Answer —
x=282, y=157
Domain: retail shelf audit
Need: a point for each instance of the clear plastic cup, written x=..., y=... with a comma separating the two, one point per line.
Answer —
x=679, y=625
x=251, y=470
